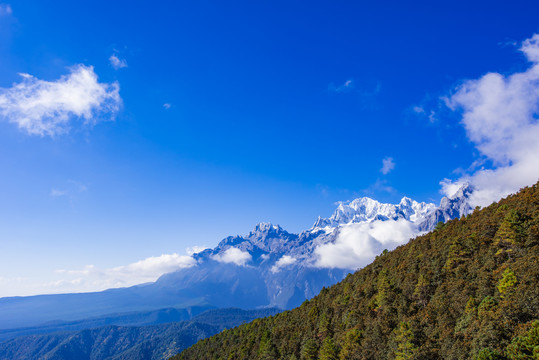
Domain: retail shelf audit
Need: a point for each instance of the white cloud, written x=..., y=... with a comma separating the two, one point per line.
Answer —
x=418, y=109
x=92, y=278
x=499, y=114
x=167, y=106
x=70, y=189
x=153, y=267
x=116, y=62
x=282, y=262
x=195, y=249
x=357, y=245
x=233, y=255
x=42, y=107
x=58, y=193
x=387, y=165
x=5, y=9
x=381, y=185
x=344, y=88
x=450, y=187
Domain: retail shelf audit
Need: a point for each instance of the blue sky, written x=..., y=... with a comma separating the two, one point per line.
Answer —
x=207, y=117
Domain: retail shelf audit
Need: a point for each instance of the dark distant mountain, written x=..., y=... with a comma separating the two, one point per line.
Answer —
x=155, y=342
x=467, y=290
x=137, y=318
x=269, y=267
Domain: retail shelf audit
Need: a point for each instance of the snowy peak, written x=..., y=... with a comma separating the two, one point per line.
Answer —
x=265, y=228
x=264, y=238
x=451, y=207
x=366, y=210
x=463, y=193
x=457, y=204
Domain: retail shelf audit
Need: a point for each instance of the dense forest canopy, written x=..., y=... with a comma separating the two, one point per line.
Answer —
x=467, y=290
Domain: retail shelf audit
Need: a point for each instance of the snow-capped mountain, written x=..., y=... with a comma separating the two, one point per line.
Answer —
x=266, y=267
x=292, y=266
x=366, y=210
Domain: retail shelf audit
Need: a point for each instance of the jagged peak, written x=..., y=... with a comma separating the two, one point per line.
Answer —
x=360, y=201
x=407, y=201
x=265, y=227
x=464, y=191
x=365, y=209
x=461, y=195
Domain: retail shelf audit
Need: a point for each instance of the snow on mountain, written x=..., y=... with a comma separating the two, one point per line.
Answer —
x=366, y=210
x=266, y=267
x=296, y=266
x=451, y=207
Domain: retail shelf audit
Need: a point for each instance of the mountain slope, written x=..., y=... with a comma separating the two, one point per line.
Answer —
x=469, y=289
x=153, y=342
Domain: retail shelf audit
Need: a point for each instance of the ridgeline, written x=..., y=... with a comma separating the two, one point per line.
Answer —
x=467, y=290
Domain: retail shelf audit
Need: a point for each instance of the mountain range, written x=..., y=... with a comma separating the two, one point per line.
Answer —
x=269, y=267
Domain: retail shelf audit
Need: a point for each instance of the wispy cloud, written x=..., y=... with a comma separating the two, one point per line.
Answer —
x=347, y=86
x=167, y=106
x=146, y=270
x=387, y=165
x=282, y=262
x=380, y=185
x=93, y=278
x=500, y=116
x=430, y=115
x=47, y=108
x=234, y=256
x=58, y=193
x=116, y=62
x=5, y=10
x=70, y=189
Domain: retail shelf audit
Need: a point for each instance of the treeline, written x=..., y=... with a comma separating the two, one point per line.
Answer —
x=467, y=290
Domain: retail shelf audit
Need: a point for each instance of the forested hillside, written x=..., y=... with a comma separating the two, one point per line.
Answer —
x=467, y=290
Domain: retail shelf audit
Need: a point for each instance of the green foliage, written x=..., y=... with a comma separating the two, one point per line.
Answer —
x=487, y=305
x=468, y=290
x=351, y=345
x=507, y=281
x=267, y=350
x=309, y=350
x=328, y=350
x=323, y=326
x=439, y=226
x=404, y=338
x=384, y=289
x=525, y=346
x=488, y=354
x=422, y=291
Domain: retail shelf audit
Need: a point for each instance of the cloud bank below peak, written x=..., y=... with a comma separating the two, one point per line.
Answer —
x=500, y=116
x=47, y=108
x=356, y=245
